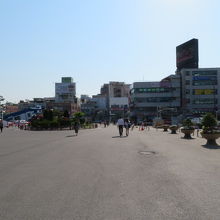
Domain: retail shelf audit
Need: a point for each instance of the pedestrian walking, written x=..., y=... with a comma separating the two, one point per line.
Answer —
x=76, y=127
x=132, y=126
x=120, y=125
x=127, y=126
x=1, y=125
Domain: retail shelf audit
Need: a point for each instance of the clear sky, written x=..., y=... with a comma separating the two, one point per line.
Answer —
x=97, y=41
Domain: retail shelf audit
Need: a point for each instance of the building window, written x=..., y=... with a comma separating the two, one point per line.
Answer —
x=187, y=73
x=204, y=82
x=205, y=101
x=187, y=91
x=155, y=99
x=187, y=82
x=153, y=90
x=117, y=92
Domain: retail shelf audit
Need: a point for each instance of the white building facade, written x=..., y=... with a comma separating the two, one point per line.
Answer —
x=65, y=91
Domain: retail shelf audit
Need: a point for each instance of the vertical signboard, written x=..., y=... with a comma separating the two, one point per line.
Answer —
x=187, y=55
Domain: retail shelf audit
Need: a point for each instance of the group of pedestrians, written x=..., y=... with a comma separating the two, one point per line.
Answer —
x=123, y=123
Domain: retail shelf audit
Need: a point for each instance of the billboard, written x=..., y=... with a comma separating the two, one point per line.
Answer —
x=204, y=91
x=205, y=78
x=187, y=55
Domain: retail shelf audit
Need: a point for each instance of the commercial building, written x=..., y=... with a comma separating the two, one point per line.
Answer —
x=95, y=108
x=200, y=90
x=35, y=103
x=117, y=99
x=151, y=99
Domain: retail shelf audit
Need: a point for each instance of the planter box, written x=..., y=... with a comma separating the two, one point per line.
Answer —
x=173, y=129
x=187, y=132
x=211, y=138
x=165, y=127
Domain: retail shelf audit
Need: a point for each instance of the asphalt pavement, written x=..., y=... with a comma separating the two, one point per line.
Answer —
x=149, y=175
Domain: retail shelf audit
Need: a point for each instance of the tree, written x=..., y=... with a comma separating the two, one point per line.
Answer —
x=66, y=114
x=79, y=116
x=48, y=115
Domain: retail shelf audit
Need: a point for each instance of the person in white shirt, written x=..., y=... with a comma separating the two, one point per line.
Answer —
x=120, y=125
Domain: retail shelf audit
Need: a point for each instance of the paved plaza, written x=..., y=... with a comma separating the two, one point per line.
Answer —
x=149, y=175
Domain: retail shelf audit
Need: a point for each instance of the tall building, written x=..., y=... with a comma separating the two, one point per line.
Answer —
x=117, y=99
x=65, y=91
x=65, y=96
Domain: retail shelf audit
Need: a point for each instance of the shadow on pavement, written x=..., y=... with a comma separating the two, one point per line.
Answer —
x=188, y=138
x=213, y=147
x=71, y=135
x=119, y=137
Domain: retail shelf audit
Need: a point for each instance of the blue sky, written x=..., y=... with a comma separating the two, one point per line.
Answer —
x=97, y=41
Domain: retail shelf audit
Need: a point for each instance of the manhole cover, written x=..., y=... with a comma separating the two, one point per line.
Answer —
x=147, y=152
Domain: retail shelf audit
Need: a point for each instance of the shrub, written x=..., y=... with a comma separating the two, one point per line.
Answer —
x=64, y=122
x=209, y=123
x=54, y=124
x=187, y=124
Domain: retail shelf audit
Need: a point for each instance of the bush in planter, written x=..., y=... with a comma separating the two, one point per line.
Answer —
x=187, y=124
x=209, y=131
x=188, y=128
x=209, y=123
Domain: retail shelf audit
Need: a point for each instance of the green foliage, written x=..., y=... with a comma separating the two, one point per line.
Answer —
x=64, y=122
x=55, y=119
x=187, y=124
x=57, y=113
x=54, y=124
x=209, y=123
x=48, y=114
x=66, y=114
x=79, y=117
